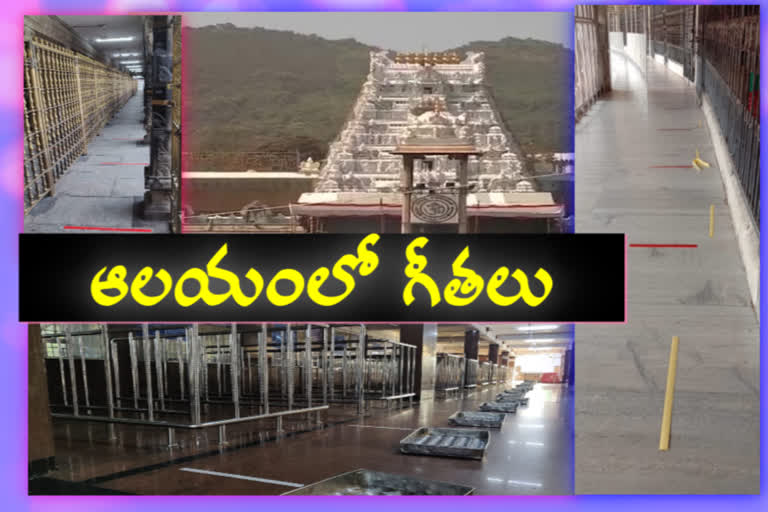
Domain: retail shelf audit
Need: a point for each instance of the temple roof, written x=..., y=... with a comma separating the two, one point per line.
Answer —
x=479, y=204
x=436, y=146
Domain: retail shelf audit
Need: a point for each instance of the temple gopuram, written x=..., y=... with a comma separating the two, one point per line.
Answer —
x=469, y=161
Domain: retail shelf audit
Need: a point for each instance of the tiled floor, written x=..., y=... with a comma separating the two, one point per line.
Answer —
x=630, y=149
x=532, y=454
x=104, y=187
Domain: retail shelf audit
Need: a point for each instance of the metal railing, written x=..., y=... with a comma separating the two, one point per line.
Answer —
x=450, y=373
x=68, y=98
x=730, y=76
x=484, y=372
x=211, y=377
x=591, y=58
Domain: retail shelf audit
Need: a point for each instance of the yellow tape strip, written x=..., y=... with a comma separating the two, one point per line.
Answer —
x=669, y=398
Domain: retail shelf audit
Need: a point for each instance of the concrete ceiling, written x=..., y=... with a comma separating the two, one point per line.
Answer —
x=91, y=28
x=516, y=338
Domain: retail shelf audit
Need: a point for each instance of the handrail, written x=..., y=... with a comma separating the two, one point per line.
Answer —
x=164, y=424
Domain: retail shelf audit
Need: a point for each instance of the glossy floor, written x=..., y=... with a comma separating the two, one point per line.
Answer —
x=634, y=175
x=532, y=454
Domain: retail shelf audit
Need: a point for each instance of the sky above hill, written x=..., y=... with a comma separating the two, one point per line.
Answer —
x=405, y=31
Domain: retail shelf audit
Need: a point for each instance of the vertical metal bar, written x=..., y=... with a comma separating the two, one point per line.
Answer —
x=116, y=370
x=344, y=372
x=205, y=391
x=72, y=376
x=332, y=363
x=361, y=371
x=392, y=365
x=194, y=374
x=180, y=351
x=159, y=370
x=218, y=363
x=234, y=368
x=384, y=371
x=283, y=370
x=61, y=371
x=250, y=371
x=164, y=355
x=413, y=370
x=134, y=369
x=290, y=360
x=264, y=368
x=84, y=370
x=108, y=370
x=324, y=364
x=243, y=368
x=148, y=371
x=308, y=365
x=171, y=438
x=401, y=371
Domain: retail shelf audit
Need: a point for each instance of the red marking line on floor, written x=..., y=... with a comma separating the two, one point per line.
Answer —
x=121, y=163
x=95, y=228
x=683, y=246
x=670, y=166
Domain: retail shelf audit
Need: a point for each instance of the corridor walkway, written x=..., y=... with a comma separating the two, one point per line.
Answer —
x=634, y=175
x=105, y=187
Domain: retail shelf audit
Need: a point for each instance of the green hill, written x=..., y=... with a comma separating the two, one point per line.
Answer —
x=253, y=89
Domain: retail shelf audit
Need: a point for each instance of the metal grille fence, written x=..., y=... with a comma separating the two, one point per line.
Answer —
x=68, y=98
x=591, y=70
x=730, y=76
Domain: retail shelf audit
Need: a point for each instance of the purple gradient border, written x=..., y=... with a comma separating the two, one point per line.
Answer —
x=13, y=374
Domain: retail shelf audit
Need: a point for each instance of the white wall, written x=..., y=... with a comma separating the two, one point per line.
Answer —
x=616, y=40
x=635, y=50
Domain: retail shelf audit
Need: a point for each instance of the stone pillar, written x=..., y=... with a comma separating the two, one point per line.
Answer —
x=147, y=92
x=158, y=180
x=413, y=334
x=471, y=349
x=41, y=447
x=493, y=353
x=471, y=343
x=462, y=179
x=406, y=184
x=505, y=358
x=568, y=367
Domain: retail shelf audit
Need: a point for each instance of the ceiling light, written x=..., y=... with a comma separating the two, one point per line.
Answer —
x=543, y=327
x=113, y=39
x=125, y=54
x=130, y=62
x=540, y=340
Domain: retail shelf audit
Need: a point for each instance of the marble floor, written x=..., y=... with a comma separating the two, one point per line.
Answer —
x=634, y=175
x=105, y=187
x=531, y=455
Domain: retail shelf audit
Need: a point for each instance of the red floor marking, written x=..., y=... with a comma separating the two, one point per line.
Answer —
x=684, y=246
x=94, y=228
x=121, y=163
x=670, y=167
